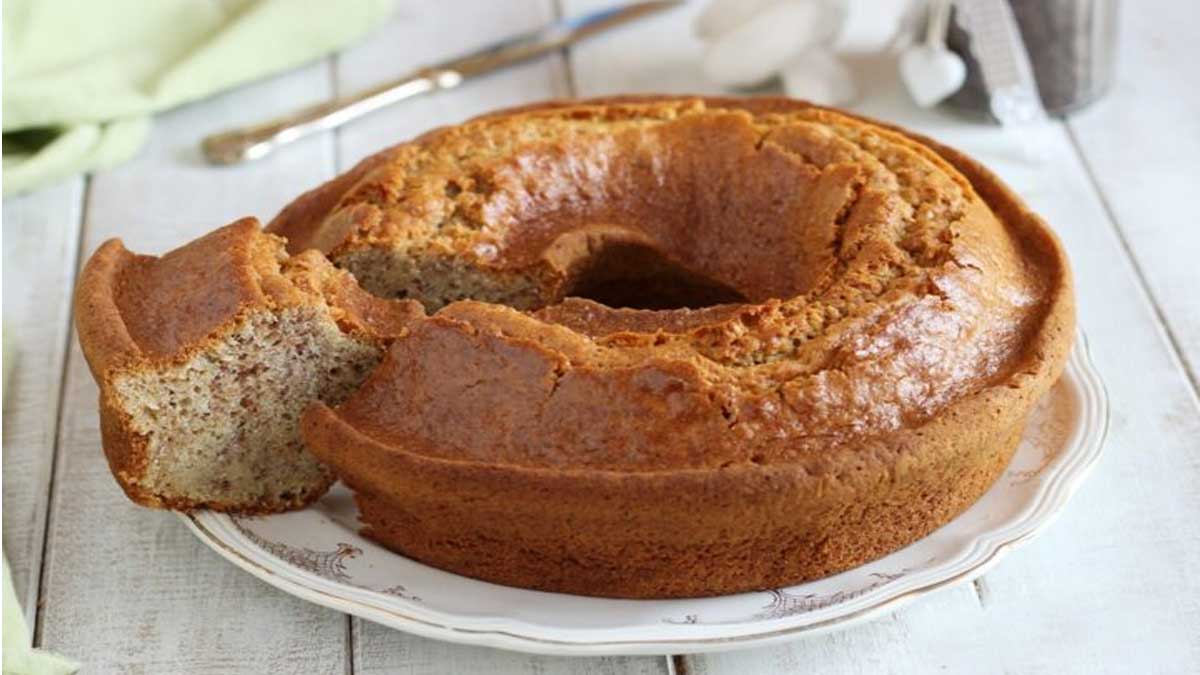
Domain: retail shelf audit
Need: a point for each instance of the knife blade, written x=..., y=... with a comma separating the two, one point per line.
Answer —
x=259, y=140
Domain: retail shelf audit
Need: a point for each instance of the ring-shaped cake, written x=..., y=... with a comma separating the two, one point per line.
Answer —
x=858, y=322
x=641, y=347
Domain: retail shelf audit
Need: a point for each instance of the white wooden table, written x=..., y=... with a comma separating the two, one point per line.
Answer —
x=1114, y=586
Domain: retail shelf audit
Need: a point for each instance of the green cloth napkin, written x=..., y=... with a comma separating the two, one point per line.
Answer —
x=82, y=78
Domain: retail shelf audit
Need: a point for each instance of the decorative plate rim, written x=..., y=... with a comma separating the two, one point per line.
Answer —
x=220, y=533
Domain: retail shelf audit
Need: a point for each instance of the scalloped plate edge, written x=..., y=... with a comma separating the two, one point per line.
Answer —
x=980, y=557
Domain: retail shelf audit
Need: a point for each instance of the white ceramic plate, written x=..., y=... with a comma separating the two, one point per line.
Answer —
x=317, y=554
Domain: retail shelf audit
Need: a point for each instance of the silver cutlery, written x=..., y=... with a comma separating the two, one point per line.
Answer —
x=253, y=142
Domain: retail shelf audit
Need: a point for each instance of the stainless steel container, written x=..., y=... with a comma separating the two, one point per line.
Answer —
x=1072, y=48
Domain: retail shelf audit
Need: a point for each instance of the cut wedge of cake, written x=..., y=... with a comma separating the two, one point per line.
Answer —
x=206, y=356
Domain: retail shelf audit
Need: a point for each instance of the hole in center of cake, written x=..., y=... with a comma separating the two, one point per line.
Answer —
x=636, y=276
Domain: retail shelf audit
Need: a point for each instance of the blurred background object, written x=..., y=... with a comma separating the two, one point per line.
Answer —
x=1071, y=46
x=804, y=42
x=1061, y=49
x=930, y=71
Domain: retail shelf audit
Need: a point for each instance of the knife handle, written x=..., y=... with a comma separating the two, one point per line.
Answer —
x=259, y=140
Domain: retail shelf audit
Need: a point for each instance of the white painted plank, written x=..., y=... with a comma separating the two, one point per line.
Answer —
x=423, y=33
x=41, y=239
x=940, y=632
x=1105, y=590
x=656, y=55
x=420, y=35
x=129, y=589
x=382, y=651
x=1141, y=143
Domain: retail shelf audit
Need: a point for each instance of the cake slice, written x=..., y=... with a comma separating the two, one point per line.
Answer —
x=206, y=356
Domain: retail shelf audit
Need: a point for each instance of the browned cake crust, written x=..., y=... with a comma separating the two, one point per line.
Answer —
x=887, y=314
x=138, y=316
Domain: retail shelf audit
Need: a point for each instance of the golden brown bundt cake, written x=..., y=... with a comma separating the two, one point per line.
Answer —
x=206, y=356
x=799, y=340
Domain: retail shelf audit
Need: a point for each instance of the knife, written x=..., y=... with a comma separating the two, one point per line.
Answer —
x=253, y=142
